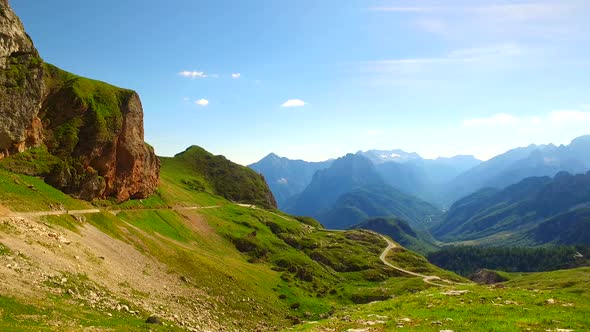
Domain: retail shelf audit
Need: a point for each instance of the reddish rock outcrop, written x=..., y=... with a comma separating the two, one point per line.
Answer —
x=94, y=129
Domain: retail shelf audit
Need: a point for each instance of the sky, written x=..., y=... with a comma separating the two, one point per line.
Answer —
x=314, y=80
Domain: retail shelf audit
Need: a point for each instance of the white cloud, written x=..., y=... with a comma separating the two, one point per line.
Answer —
x=500, y=119
x=236, y=76
x=202, y=102
x=374, y=132
x=568, y=116
x=294, y=103
x=193, y=74
x=186, y=99
x=282, y=181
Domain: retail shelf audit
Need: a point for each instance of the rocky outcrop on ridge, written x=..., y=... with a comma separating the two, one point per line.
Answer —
x=90, y=132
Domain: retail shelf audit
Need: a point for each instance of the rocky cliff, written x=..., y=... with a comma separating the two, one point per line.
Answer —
x=89, y=133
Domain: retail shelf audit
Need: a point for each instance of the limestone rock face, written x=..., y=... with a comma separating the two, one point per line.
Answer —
x=21, y=86
x=93, y=129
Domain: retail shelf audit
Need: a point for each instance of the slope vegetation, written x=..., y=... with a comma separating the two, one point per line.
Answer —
x=185, y=255
x=199, y=170
x=400, y=232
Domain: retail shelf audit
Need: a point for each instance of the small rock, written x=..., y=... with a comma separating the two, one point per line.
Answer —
x=153, y=320
x=109, y=314
x=282, y=296
x=295, y=305
x=550, y=301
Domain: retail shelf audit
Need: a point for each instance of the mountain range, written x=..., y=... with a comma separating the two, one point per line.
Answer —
x=287, y=177
x=520, y=163
x=351, y=190
x=537, y=210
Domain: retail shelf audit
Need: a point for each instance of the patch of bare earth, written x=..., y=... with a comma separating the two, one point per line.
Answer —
x=98, y=271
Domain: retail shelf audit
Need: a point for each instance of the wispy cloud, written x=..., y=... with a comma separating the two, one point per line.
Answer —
x=500, y=119
x=236, y=76
x=374, y=132
x=294, y=103
x=459, y=56
x=569, y=116
x=202, y=102
x=193, y=74
x=405, y=9
x=543, y=18
x=532, y=123
x=512, y=12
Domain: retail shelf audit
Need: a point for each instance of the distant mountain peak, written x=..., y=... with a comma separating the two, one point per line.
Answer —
x=271, y=156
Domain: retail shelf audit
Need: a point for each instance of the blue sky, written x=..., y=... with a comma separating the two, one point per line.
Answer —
x=314, y=79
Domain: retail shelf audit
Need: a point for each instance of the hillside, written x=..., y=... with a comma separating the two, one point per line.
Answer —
x=200, y=170
x=287, y=178
x=537, y=210
x=193, y=259
x=400, y=232
x=370, y=201
x=548, y=301
x=89, y=134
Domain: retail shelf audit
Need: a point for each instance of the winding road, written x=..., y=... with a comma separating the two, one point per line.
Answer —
x=425, y=278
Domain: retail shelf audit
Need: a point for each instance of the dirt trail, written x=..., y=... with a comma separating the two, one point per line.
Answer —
x=425, y=278
x=33, y=214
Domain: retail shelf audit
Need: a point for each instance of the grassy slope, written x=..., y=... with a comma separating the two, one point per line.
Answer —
x=534, y=302
x=276, y=261
x=283, y=263
x=201, y=171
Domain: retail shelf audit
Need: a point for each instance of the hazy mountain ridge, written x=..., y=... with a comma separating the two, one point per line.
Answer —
x=522, y=212
x=352, y=190
x=287, y=177
x=521, y=163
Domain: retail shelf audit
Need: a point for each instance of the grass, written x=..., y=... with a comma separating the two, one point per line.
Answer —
x=61, y=315
x=198, y=170
x=27, y=193
x=524, y=304
x=102, y=119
